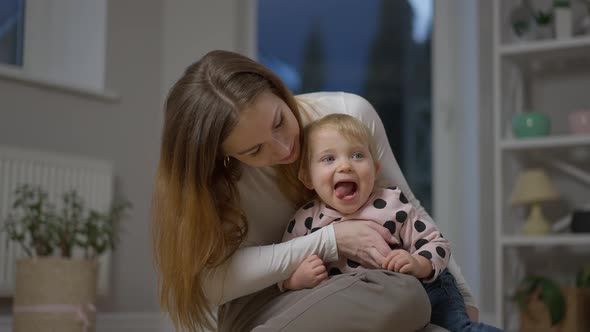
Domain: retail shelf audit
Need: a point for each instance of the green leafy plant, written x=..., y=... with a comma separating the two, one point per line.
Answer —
x=543, y=18
x=561, y=3
x=520, y=19
x=583, y=277
x=42, y=230
x=547, y=291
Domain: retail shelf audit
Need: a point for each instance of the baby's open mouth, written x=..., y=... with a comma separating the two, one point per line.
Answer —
x=345, y=190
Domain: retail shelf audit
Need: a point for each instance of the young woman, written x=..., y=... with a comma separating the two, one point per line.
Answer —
x=225, y=188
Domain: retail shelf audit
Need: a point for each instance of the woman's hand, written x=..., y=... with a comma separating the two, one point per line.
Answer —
x=363, y=241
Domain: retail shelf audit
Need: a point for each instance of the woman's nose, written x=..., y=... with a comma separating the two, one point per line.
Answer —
x=281, y=144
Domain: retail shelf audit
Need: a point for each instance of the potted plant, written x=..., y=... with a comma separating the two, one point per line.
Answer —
x=563, y=19
x=583, y=277
x=545, y=306
x=56, y=281
x=544, y=24
x=543, y=290
x=583, y=298
x=521, y=20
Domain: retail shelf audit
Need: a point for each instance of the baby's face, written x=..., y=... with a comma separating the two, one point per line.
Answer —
x=341, y=171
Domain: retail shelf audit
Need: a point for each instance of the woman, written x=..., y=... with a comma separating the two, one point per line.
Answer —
x=225, y=187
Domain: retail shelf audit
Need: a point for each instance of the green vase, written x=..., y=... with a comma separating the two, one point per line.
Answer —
x=530, y=124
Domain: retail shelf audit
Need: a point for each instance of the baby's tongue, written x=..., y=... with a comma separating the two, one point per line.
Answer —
x=344, y=189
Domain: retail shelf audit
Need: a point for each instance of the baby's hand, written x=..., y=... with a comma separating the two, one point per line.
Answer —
x=308, y=275
x=403, y=262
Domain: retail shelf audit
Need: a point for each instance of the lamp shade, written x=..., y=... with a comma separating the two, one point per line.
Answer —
x=533, y=186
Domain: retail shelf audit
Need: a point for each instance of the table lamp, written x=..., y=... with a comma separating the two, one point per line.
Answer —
x=532, y=188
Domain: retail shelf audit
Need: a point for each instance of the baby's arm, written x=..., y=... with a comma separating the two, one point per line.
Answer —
x=302, y=222
x=426, y=251
x=312, y=270
x=251, y=269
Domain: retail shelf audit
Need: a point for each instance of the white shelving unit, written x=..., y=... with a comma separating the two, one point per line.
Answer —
x=551, y=76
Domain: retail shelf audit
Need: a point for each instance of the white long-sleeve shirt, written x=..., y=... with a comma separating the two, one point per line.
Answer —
x=260, y=262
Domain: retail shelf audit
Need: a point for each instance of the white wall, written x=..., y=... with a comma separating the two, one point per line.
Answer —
x=191, y=29
x=486, y=247
x=456, y=133
x=124, y=132
x=468, y=112
x=149, y=43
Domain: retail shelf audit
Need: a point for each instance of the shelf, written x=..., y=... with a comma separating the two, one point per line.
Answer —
x=546, y=240
x=545, y=142
x=549, y=75
x=545, y=46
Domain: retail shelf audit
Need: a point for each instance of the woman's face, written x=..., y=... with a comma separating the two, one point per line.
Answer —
x=267, y=133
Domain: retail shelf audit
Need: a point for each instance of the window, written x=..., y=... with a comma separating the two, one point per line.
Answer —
x=12, y=14
x=61, y=42
x=379, y=49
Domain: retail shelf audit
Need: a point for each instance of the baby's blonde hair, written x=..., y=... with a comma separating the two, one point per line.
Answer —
x=350, y=127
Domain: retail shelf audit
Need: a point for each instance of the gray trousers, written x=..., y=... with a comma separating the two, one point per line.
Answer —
x=370, y=300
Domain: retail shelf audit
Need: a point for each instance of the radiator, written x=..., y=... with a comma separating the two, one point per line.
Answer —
x=57, y=174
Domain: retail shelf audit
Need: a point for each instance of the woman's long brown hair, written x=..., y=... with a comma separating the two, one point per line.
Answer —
x=197, y=222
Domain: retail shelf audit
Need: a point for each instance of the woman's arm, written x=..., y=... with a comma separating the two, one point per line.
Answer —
x=391, y=174
x=251, y=269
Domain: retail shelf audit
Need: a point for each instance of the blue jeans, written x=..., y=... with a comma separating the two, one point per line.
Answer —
x=448, y=308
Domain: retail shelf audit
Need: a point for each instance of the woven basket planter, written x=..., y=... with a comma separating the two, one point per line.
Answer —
x=55, y=295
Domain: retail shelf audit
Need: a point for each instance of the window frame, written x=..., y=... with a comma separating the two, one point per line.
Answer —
x=43, y=68
x=456, y=176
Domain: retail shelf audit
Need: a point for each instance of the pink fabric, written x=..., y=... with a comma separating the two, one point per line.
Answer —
x=83, y=312
x=391, y=209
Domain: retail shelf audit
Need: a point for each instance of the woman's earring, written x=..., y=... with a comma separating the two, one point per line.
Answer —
x=226, y=161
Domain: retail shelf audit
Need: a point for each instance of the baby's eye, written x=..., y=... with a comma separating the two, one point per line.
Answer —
x=357, y=155
x=327, y=159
